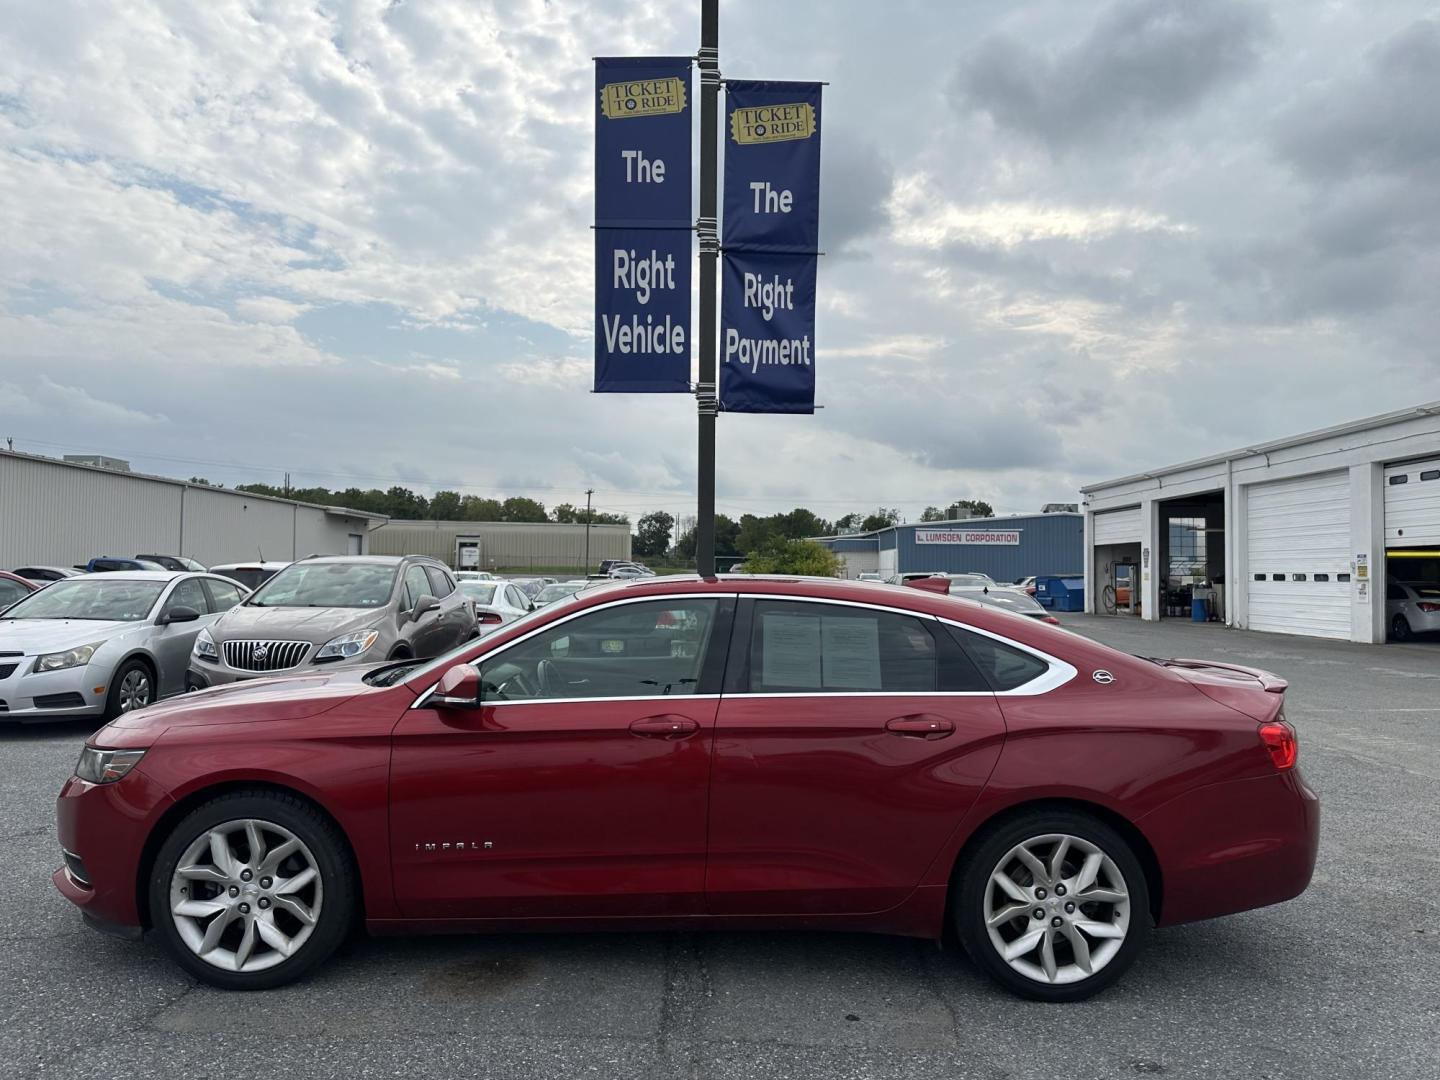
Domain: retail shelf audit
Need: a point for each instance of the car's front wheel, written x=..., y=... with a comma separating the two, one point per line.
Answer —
x=1052, y=905
x=252, y=890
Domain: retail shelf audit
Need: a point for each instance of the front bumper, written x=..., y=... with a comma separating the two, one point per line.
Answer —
x=30, y=696
x=104, y=826
x=1234, y=846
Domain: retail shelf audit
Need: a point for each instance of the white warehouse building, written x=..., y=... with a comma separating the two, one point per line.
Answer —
x=1298, y=536
x=61, y=513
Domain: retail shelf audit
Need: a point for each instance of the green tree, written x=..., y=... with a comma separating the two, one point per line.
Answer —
x=401, y=502
x=476, y=508
x=932, y=513
x=519, y=508
x=882, y=518
x=849, y=521
x=782, y=556
x=727, y=532
x=445, y=506
x=652, y=534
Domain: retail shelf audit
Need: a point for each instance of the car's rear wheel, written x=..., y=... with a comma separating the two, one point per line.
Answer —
x=133, y=687
x=1053, y=905
x=252, y=890
x=1400, y=628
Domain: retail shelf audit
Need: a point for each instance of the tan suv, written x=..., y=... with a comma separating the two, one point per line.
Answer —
x=326, y=611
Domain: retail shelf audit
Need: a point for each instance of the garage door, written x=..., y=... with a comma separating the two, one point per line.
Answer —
x=1117, y=527
x=1298, y=542
x=1412, y=504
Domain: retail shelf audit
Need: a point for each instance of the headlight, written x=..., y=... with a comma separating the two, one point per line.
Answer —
x=205, y=646
x=59, y=661
x=347, y=645
x=106, y=766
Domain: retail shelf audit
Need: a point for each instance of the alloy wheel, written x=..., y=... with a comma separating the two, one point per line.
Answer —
x=1057, y=908
x=134, y=690
x=246, y=895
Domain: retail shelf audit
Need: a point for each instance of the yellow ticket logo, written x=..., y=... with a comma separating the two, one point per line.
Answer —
x=772, y=123
x=642, y=97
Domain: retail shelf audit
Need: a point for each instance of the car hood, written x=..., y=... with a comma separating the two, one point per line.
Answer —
x=317, y=625
x=290, y=697
x=32, y=636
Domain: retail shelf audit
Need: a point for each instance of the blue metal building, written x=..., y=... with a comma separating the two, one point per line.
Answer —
x=1006, y=548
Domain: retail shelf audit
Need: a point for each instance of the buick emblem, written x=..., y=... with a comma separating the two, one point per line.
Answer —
x=261, y=651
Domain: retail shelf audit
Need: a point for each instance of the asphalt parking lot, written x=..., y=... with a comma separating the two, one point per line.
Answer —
x=1343, y=982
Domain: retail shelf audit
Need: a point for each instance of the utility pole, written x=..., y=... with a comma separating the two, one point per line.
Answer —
x=707, y=228
x=588, y=493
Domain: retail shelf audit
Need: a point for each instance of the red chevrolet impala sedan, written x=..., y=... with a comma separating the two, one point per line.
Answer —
x=692, y=753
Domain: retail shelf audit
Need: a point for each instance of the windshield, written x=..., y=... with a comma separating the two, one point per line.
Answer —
x=1010, y=601
x=550, y=593
x=478, y=591
x=529, y=586
x=970, y=580
x=102, y=599
x=328, y=585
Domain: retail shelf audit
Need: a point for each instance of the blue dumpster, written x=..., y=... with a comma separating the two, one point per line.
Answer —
x=1061, y=593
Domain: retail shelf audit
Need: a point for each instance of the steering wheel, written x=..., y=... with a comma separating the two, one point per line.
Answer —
x=510, y=680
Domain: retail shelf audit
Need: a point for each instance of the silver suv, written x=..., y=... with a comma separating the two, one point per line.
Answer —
x=326, y=611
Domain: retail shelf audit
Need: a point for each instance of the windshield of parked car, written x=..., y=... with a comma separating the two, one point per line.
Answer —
x=1017, y=602
x=478, y=591
x=969, y=580
x=102, y=599
x=550, y=593
x=328, y=585
x=529, y=586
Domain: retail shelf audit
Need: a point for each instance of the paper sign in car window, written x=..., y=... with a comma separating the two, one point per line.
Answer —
x=851, y=651
x=791, y=651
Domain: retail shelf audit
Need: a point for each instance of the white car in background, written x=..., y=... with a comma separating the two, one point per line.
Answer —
x=495, y=602
x=474, y=575
x=1413, y=607
x=559, y=590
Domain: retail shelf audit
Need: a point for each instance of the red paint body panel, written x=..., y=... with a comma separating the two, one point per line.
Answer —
x=586, y=818
x=799, y=811
x=816, y=808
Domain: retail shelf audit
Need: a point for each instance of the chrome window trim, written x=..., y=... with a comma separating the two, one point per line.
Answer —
x=1058, y=672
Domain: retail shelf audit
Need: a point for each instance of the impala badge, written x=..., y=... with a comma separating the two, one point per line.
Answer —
x=453, y=846
x=1103, y=677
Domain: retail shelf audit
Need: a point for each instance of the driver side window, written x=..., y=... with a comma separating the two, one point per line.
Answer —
x=650, y=649
x=188, y=594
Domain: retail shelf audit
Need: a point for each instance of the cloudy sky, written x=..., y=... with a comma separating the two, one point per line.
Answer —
x=350, y=239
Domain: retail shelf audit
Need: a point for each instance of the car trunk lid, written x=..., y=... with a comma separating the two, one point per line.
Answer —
x=1252, y=691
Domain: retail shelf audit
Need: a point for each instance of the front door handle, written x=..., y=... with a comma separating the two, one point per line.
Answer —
x=921, y=726
x=664, y=727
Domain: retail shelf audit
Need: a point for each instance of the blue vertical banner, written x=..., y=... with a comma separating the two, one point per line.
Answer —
x=770, y=240
x=643, y=224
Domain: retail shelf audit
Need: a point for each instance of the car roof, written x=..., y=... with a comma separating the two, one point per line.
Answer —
x=141, y=575
x=250, y=564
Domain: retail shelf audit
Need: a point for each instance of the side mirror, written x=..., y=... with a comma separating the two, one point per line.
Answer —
x=424, y=606
x=179, y=614
x=459, y=688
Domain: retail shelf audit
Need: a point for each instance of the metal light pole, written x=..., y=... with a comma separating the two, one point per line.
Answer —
x=707, y=227
x=588, y=493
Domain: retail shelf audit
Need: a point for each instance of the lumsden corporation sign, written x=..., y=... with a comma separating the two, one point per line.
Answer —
x=1003, y=538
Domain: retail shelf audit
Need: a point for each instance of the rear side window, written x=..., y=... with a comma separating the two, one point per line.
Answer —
x=440, y=583
x=796, y=647
x=1003, y=666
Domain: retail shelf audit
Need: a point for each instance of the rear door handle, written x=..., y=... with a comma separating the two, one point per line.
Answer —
x=664, y=727
x=921, y=726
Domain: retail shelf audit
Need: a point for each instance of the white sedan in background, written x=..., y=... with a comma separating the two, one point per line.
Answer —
x=495, y=602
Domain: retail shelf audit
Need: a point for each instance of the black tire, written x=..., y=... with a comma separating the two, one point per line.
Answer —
x=971, y=886
x=337, y=876
x=1400, y=628
x=126, y=671
x=400, y=652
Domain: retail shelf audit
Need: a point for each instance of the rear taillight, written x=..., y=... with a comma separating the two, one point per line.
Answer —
x=489, y=617
x=1425, y=605
x=1280, y=740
